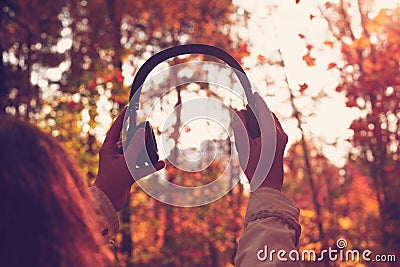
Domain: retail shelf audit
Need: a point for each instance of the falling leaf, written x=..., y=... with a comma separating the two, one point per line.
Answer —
x=302, y=36
x=309, y=47
x=303, y=87
x=312, y=16
x=297, y=1
x=310, y=61
x=339, y=88
x=331, y=65
x=261, y=58
x=329, y=43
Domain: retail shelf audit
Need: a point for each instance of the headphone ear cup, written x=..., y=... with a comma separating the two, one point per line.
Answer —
x=252, y=124
x=149, y=154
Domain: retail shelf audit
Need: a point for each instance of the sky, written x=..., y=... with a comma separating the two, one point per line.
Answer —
x=272, y=28
x=280, y=28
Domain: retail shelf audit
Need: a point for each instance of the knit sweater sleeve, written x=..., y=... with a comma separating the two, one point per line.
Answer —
x=271, y=224
x=105, y=210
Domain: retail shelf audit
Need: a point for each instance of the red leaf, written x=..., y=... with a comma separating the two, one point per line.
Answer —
x=310, y=61
x=331, y=65
x=297, y=1
x=302, y=36
x=309, y=47
x=120, y=78
x=351, y=103
x=303, y=87
x=312, y=16
x=339, y=88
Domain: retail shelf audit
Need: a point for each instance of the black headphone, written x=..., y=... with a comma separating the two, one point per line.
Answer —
x=149, y=154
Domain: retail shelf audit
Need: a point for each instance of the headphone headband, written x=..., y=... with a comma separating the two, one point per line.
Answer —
x=171, y=52
x=149, y=154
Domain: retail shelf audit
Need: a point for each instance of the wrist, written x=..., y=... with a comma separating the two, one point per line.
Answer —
x=274, y=178
x=269, y=182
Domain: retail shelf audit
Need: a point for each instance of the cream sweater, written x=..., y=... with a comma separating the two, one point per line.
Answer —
x=271, y=229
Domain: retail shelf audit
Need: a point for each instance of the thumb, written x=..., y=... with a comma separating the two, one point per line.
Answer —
x=243, y=139
x=240, y=131
x=135, y=146
x=264, y=113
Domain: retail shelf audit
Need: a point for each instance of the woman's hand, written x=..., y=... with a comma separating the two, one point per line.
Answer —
x=114, y=177
x=250, y=150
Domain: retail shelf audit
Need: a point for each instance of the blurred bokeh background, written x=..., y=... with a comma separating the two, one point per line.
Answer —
x=330, y=70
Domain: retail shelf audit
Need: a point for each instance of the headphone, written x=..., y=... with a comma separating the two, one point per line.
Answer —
x=149, y=154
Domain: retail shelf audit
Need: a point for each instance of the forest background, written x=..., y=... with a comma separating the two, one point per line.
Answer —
x=333, y=80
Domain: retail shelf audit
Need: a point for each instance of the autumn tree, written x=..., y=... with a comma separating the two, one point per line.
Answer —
x=331, y=198
x=309, y=174
x=370, y=79
x=28, y=45
x=66, y=66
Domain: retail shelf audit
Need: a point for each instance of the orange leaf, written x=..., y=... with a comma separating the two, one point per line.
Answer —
x=331, y=65
x=241, y=52
x=261, y=58
x=310, y=61
x=302, y=36
x=329, y=43
x=303, y=87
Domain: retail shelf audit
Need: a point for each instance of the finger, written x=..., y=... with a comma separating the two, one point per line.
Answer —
x=277, y=122
x=240, y=130
x=264, y=113
x=242, y=138
x=281, y=133
x=114, y=132
x=147, y=170
x=135, y=146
